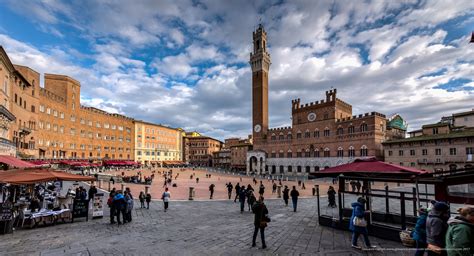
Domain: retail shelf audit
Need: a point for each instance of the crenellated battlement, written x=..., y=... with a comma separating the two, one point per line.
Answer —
x=50, y=95
x=330, y=98
x=280, y=129
x=361, y=116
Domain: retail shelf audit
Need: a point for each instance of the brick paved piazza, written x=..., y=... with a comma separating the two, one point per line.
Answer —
x=191, y=228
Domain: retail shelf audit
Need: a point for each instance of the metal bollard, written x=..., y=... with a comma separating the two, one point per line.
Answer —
x=109, y=185
x=122, y=187
x=279, y=191
x=100, y=183
x=147, y=190
x=191, y=193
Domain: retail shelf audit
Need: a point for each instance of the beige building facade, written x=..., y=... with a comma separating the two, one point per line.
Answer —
x=156, y=144
x=7, y=118
x=447, y=145
x=201, y=149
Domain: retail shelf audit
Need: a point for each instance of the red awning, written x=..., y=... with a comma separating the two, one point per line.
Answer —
x=15, y=162
x=32, y=176
x=368, y=166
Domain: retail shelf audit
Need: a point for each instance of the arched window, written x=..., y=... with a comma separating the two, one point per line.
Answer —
x=363, y=151
x=340, y=131
x=289, y=136
x=273, y=154
x=307, y=134
x=351, y=151
x=364, y=127
x=340, y=152
x=281, y=154
x=316, y=133
x=327, y=152
x=298, y=153
x=281, y=136
x=298, y=135
x=307, y=153
x=351, y=129
x=316, y=153
x=289, y=154
x=273, y=136
x=327, y=133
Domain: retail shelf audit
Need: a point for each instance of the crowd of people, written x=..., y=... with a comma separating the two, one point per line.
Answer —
x=436, y=233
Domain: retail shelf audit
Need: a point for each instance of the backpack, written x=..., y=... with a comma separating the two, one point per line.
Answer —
x=109, y=201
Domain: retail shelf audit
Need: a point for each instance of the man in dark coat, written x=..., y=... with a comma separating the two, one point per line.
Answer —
x=436, y=228
x=211, y=189
x=229, y=189
x=294, y=197
x=92, y=192
x=120, y=206
x=286, y=195
x=237, y=191
x=260, y=211
x=242, y=196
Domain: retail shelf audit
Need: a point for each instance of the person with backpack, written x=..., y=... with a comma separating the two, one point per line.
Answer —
x=260, y=221
x=211, y=190
x=286, y=195
x=142, y=199
x=120, y=206
x=166, y=198
x=436, y=228
x=294, y=197
x=148, y=200
x=358, y=224
x=460, y=235
x=419, y=233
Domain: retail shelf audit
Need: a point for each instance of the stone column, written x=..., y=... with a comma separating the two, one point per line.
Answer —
x=147, y=190
x=279, y=191
x=109, y=185
x=122, y=186
x=100, y=183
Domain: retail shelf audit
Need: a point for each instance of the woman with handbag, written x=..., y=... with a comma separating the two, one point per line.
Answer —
x=358, y=224
x=260, y=221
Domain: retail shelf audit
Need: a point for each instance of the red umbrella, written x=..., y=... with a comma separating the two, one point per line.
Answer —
x=39, y=175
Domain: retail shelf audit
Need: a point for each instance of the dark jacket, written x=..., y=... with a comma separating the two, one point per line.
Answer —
x=261, y=190
x=357, y=210
x=460, y=235
x=294, y=194
x=436, y=227
x=119, y=202
x=242, y=195
x=419, y=234
x=92, y=192
x=260, y=210
x=286, y=193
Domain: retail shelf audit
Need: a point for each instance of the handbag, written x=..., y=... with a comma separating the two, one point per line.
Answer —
x=434, y=248
x=265, y=219
x=359, y=222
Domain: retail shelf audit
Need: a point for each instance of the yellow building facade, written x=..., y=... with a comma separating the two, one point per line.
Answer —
x=156, y=145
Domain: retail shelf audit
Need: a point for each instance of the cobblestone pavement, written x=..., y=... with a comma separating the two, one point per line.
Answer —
x=192, y=228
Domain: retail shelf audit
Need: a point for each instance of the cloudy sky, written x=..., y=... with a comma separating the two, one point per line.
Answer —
x=185, y=63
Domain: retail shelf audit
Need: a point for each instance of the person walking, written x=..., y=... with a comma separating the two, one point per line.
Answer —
x=294, y=197
x=250, y=197
x=166, y=198
x=286, y=195
x=332, y=197
x=229, y=189
x=142, y=199
x=261, y=189
x=148, y=200
x=358, y=224
x=242, y=195
x=436, y=228
x=460, y=235
x=274, y=187
x=211, y=189
x=419, y=233
x=260, y=221
x=111, y=206
x=237, y=191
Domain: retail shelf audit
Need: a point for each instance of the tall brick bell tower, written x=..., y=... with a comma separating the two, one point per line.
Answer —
x=260, y=63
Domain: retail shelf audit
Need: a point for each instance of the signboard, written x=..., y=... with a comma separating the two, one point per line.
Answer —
x=80, y=209
x=98, y=206
x=6, y=212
